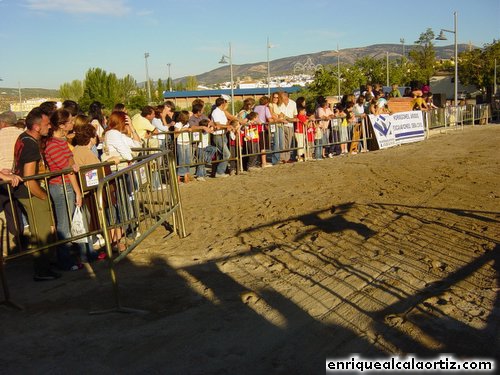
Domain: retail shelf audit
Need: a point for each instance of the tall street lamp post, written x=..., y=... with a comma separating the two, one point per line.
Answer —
x=169, y=79
x=146, y=55
x=268, y=69
x=443, y=37
x=338, y=72
x=224, y=61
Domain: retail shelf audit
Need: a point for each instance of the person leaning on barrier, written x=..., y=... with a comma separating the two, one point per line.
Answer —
x=9, y=132
x=220, y=121
x=119, y=139
x=200, y=123
x=276, y=128
x=27, y=161
x=161, y=124
x=13, y=179
x=265, y=118
x=183, y=145
x=289, y=110
x=64, y=189
x=85, y=139
x=141, y=122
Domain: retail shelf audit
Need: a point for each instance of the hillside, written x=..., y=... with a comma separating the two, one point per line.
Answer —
x=11, y=95
x=286, y=65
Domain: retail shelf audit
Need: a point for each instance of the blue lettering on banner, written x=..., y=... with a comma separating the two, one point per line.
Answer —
x=410, y=134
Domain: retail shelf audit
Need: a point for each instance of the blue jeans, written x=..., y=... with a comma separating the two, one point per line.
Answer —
x=64, y=206
x=205, y=156
x=326, y=140
x=183, y=158
x=279, y=139
x=318, y=146
x=221, y=144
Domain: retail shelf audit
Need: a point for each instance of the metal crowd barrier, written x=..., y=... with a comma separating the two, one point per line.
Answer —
x=265, y=140
x=456, y=117
x=198, y=157
x=135, y=201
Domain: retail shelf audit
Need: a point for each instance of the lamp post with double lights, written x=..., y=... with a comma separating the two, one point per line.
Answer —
x=443, y=37
x=224, y=61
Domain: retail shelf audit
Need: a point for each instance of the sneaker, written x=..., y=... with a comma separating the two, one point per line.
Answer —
x=99, y=243
x=221, y=175
x=232, y=172
x=47, y=276
x=330, y=155
x=102, y=256
x=267, y=166
x=200, y=178
x=162, y=187
x=76, y=267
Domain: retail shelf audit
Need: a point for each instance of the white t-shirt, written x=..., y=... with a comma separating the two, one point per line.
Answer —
x=219, y=116
x=118, y=144
x=182, y=138
x=289, y=110
x=158, y=124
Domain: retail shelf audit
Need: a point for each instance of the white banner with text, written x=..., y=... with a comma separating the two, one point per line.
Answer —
x=399, y=128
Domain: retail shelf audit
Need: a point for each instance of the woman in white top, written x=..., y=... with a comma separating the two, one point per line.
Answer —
x=119, y=138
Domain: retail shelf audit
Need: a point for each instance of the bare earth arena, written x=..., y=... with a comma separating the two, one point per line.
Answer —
x=383, y=253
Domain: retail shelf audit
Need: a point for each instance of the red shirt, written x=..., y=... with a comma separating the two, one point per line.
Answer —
x=57, y=156
x=299, y=128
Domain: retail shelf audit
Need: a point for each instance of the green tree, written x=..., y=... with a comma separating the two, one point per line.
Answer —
x=191, y=83
x=127, y=88
x=476, y=67
x=423, y=57
x=72, y=90
x=160, y=88
x=137, y=101
x=374, y=69
x=101, y=86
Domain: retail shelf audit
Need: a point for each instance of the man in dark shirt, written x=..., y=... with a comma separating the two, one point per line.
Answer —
x=27, y=161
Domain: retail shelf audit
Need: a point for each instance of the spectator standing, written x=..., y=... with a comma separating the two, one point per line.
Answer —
x=141, y=122
x=300, y=131
x=27, y=160
x=64, y=189
x=183, y=145
x=394, y=93
x=324, y=114
x=265, y=118
x=289, y=110
x=98, y=120
x=220, y=121
x=276, y=128
x=9, y=132
x=200, y=123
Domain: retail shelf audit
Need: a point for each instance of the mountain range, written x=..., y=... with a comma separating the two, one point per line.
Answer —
x=286, y=65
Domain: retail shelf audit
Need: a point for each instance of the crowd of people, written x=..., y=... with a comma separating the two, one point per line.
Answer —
x=272, y=131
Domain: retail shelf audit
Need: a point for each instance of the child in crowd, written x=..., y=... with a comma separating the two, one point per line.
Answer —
x=251, y=139
x=300, y=127
x=181, y=130
x=205, y=150
x=234, y=134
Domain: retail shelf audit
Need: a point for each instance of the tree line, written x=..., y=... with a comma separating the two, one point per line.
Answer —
x=476, y=67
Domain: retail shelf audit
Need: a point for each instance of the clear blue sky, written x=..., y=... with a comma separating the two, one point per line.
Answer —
x=48, y=42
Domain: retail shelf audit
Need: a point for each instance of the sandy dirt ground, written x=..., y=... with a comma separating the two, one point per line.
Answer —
x=384, y=253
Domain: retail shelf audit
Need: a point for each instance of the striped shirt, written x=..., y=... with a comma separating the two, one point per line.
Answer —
x=57, y=156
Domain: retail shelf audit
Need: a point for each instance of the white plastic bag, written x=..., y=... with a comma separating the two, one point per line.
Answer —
x=78, y=226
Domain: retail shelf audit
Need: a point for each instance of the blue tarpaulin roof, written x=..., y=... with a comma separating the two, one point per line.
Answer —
x=205, y=93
